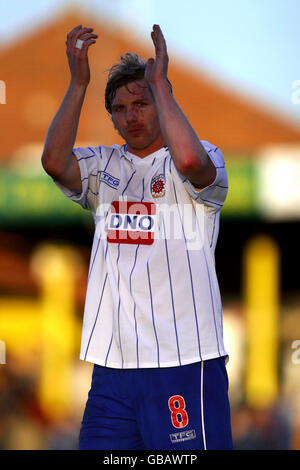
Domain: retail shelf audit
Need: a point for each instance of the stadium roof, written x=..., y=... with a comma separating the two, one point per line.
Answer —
x=35, y=71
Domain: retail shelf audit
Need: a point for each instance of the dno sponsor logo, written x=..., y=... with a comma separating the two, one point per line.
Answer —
x=131, y=222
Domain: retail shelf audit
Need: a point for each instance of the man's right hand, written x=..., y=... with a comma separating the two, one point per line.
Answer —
x=58, y=159
x=78, y=58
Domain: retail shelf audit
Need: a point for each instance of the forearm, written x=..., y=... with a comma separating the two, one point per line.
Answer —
x=62, y=131
x=184, y=144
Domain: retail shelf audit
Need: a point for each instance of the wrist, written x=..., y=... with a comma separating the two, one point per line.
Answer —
x=160, y=85
x=78, y=87
x=161, y=90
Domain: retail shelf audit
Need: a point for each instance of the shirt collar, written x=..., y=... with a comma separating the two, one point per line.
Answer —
x=136, y=159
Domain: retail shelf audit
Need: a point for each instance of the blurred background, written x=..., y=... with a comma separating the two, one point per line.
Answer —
x=235, y=70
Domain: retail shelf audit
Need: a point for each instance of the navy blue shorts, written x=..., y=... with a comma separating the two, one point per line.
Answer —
x=170, y=408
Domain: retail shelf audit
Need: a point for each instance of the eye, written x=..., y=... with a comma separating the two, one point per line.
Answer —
x=118, y=108
x=141, y=104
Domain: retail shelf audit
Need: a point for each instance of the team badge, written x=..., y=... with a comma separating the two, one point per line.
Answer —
x=131, y=222
x=158, y=186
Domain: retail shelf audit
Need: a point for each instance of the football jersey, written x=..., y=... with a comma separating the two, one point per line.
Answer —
x=152, y=296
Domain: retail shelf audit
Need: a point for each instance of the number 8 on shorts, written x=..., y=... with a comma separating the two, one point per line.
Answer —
x=177, y=407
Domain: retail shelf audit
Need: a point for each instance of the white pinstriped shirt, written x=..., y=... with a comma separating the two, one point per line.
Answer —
x=151, y=301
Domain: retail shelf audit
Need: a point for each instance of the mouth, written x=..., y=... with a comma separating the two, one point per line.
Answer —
x=135, y=130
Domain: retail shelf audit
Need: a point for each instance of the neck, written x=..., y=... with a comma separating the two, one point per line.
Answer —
x=144, y=152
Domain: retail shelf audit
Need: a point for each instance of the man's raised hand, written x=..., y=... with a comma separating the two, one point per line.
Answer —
x=78, y=57
x=156, y=70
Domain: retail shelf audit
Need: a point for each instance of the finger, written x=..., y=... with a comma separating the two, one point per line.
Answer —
x=157, y=30
x=160, y=47
x=86, y=41
x=149, y=67
x=78, y=34
x=149, y=64
x=153, y=36
x=158, y=39
x=73, y=35
x=86, y=45
x=74, y=30
x=86, y=36
x=155, y=39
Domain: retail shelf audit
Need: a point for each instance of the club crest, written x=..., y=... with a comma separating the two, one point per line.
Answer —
x=158, y=186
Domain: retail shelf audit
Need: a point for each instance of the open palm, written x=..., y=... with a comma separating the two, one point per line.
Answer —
x=156, y=69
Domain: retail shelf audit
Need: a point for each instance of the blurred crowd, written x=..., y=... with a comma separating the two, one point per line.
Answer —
x=23, y=425
x=273, y=428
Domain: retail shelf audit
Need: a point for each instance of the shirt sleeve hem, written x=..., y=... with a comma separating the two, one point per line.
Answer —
x=79, y=197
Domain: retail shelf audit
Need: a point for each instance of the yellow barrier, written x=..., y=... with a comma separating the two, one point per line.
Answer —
x=47, y=327
x=261, y=283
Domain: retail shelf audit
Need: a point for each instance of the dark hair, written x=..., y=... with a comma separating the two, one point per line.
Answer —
x=130, y=69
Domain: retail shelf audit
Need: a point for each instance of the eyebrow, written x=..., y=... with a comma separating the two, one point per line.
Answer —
x=138, y=100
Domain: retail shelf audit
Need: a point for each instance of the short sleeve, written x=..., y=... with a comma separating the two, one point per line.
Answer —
x=215, y=194
x=89, y=160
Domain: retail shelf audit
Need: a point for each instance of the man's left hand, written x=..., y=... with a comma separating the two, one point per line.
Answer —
x=156, y=70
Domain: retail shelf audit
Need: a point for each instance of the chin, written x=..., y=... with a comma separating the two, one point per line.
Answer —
x=136, y=144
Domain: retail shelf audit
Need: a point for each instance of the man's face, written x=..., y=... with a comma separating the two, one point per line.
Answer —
x=135, y=117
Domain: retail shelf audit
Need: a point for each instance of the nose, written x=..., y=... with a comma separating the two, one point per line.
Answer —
x=131, y=114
